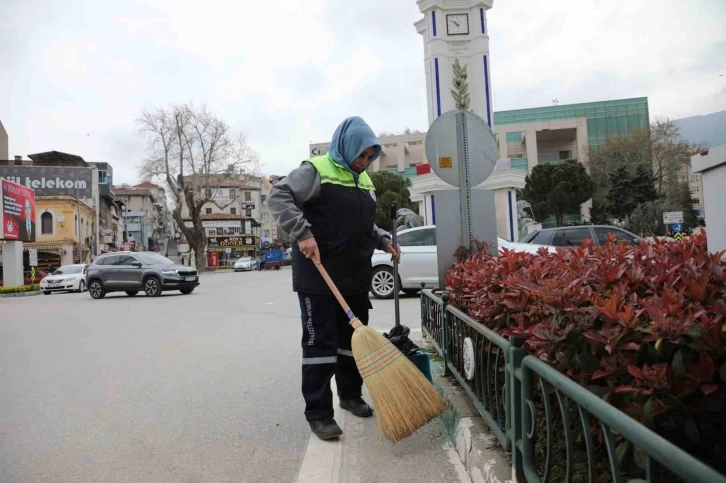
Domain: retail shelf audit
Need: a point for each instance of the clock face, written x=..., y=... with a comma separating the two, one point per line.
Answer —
x=457, y=24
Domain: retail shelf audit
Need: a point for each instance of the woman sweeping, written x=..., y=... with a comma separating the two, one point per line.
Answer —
x=327, y=206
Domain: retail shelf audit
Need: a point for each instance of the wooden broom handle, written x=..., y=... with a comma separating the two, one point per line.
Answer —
x=335, y=290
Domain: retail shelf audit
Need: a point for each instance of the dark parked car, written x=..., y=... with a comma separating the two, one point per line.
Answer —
x=572, y=236
x=132, y=272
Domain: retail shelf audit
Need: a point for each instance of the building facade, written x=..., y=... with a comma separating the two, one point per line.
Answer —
x=4, y=142
x=231, y=218
x=57, y=178
x=140, y=218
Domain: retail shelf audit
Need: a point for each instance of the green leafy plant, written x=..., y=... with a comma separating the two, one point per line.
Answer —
x=19, y=289
x=556, y=189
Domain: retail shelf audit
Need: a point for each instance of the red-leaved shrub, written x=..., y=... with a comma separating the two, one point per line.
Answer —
x=642, y=326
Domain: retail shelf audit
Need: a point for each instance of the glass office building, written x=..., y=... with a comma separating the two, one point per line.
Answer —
x=603, y=119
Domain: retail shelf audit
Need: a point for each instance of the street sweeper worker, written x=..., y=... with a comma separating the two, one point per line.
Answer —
x=327, y=205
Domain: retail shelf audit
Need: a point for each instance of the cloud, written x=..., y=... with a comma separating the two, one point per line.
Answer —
x=286, y=73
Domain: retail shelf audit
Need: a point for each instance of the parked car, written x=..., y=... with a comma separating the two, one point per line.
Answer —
x=419, y=262
x=68, y=278
x=572, y=236
x=245, y=264
x=132, y=272
x=27, y=280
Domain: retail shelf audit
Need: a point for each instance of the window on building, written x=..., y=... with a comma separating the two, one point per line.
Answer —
x=233, y=211
x=211, y=232
x=46, y=224
x=565, y=155
x=514, y=137
x=102, y=177
x=248, y=212
x=209, y=192
x=263, y=198
x=265, y=216
x=220, y=231
x=232, y=194
x=694, y=189
x=248, y=196
x=208, y=211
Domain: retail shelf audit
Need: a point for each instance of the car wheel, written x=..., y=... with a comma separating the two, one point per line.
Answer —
x=277, y=267
x=382, y=283
x=81, y=287
x=46, y=293
x=152, y=287
x=96, y=290
x=132, y=293
x=186, y=291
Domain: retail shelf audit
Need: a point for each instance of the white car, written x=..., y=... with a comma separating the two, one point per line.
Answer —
x=68, y=278
x=245, y=264
x=419, y=262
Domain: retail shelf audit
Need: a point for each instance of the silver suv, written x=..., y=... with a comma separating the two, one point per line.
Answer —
x=131, y=272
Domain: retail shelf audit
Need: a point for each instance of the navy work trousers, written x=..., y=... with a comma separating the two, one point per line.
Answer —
x=326, y=351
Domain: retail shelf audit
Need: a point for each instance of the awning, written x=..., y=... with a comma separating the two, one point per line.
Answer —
x=27, y=247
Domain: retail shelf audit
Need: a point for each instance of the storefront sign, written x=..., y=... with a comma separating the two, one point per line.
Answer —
x=52, y=180
x=17, y=212
x=318, y=151
x=247, y=242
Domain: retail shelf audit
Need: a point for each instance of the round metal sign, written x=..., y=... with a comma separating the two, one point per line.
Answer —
x=469, y=362
x=442, y=148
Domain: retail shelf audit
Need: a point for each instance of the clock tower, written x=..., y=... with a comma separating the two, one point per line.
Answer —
x=456, y=30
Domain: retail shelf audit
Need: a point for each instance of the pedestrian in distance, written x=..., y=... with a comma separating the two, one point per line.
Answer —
x=327, y=205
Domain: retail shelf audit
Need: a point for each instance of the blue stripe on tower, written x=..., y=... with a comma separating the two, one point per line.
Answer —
x=433, y=209
x=433, y=21
x=438, y=87
x=486, y=87
x=481, y=15
x=511, y=219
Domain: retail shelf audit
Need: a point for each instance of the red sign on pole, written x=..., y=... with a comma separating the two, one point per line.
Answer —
x=17, y=212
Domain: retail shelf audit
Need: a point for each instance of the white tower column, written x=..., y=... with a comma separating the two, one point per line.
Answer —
x=454, y=29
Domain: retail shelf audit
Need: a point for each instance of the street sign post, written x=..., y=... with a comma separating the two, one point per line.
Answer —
x=677, y=227
x=33, y=257
x=671, y=217
x=462, y=151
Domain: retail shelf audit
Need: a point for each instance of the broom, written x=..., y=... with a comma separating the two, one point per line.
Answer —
x=404, y=400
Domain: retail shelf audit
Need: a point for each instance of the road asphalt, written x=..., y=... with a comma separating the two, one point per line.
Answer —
x=184, y=388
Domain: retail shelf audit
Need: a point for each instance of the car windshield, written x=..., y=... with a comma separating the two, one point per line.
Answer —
x=153, y=259
x=68, y=270
x=244, y=259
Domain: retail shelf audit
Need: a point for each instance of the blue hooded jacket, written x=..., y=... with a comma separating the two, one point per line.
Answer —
x=352, y=137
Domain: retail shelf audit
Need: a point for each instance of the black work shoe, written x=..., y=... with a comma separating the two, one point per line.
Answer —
x=357, y=406
x=325, y=428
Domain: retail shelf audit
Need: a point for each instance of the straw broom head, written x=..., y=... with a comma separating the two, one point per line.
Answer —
x=404, y=400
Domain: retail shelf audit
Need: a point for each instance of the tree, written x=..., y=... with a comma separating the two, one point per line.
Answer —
x=684, y=202
x=191, y=150
x=658, y=147
x=460, y=92
x=556, y=189
x=628, y=189
x=647, y=218
x=390, y=187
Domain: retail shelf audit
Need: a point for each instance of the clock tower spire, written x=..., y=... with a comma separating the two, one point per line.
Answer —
x=456, y=30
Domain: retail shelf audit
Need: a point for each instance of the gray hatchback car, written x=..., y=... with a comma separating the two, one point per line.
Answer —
x=132, y=272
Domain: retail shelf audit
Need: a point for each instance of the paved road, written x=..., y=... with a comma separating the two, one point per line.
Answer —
x=196, y=388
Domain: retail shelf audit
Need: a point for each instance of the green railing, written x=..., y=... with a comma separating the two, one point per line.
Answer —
x=557, y=430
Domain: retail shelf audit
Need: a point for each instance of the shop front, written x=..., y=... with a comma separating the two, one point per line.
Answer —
x=223, y=251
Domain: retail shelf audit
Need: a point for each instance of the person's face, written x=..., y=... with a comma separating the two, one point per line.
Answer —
x=362, y=161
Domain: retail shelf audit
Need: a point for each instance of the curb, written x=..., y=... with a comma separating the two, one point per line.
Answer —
x=485, y=461
x=21, y=294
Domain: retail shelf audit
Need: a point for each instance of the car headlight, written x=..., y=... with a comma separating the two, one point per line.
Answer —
x=168, y=272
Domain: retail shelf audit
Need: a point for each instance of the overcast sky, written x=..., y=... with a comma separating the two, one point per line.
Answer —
x=74, y=74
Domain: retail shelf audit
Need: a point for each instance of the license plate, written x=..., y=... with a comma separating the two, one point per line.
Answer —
x=191, y=279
